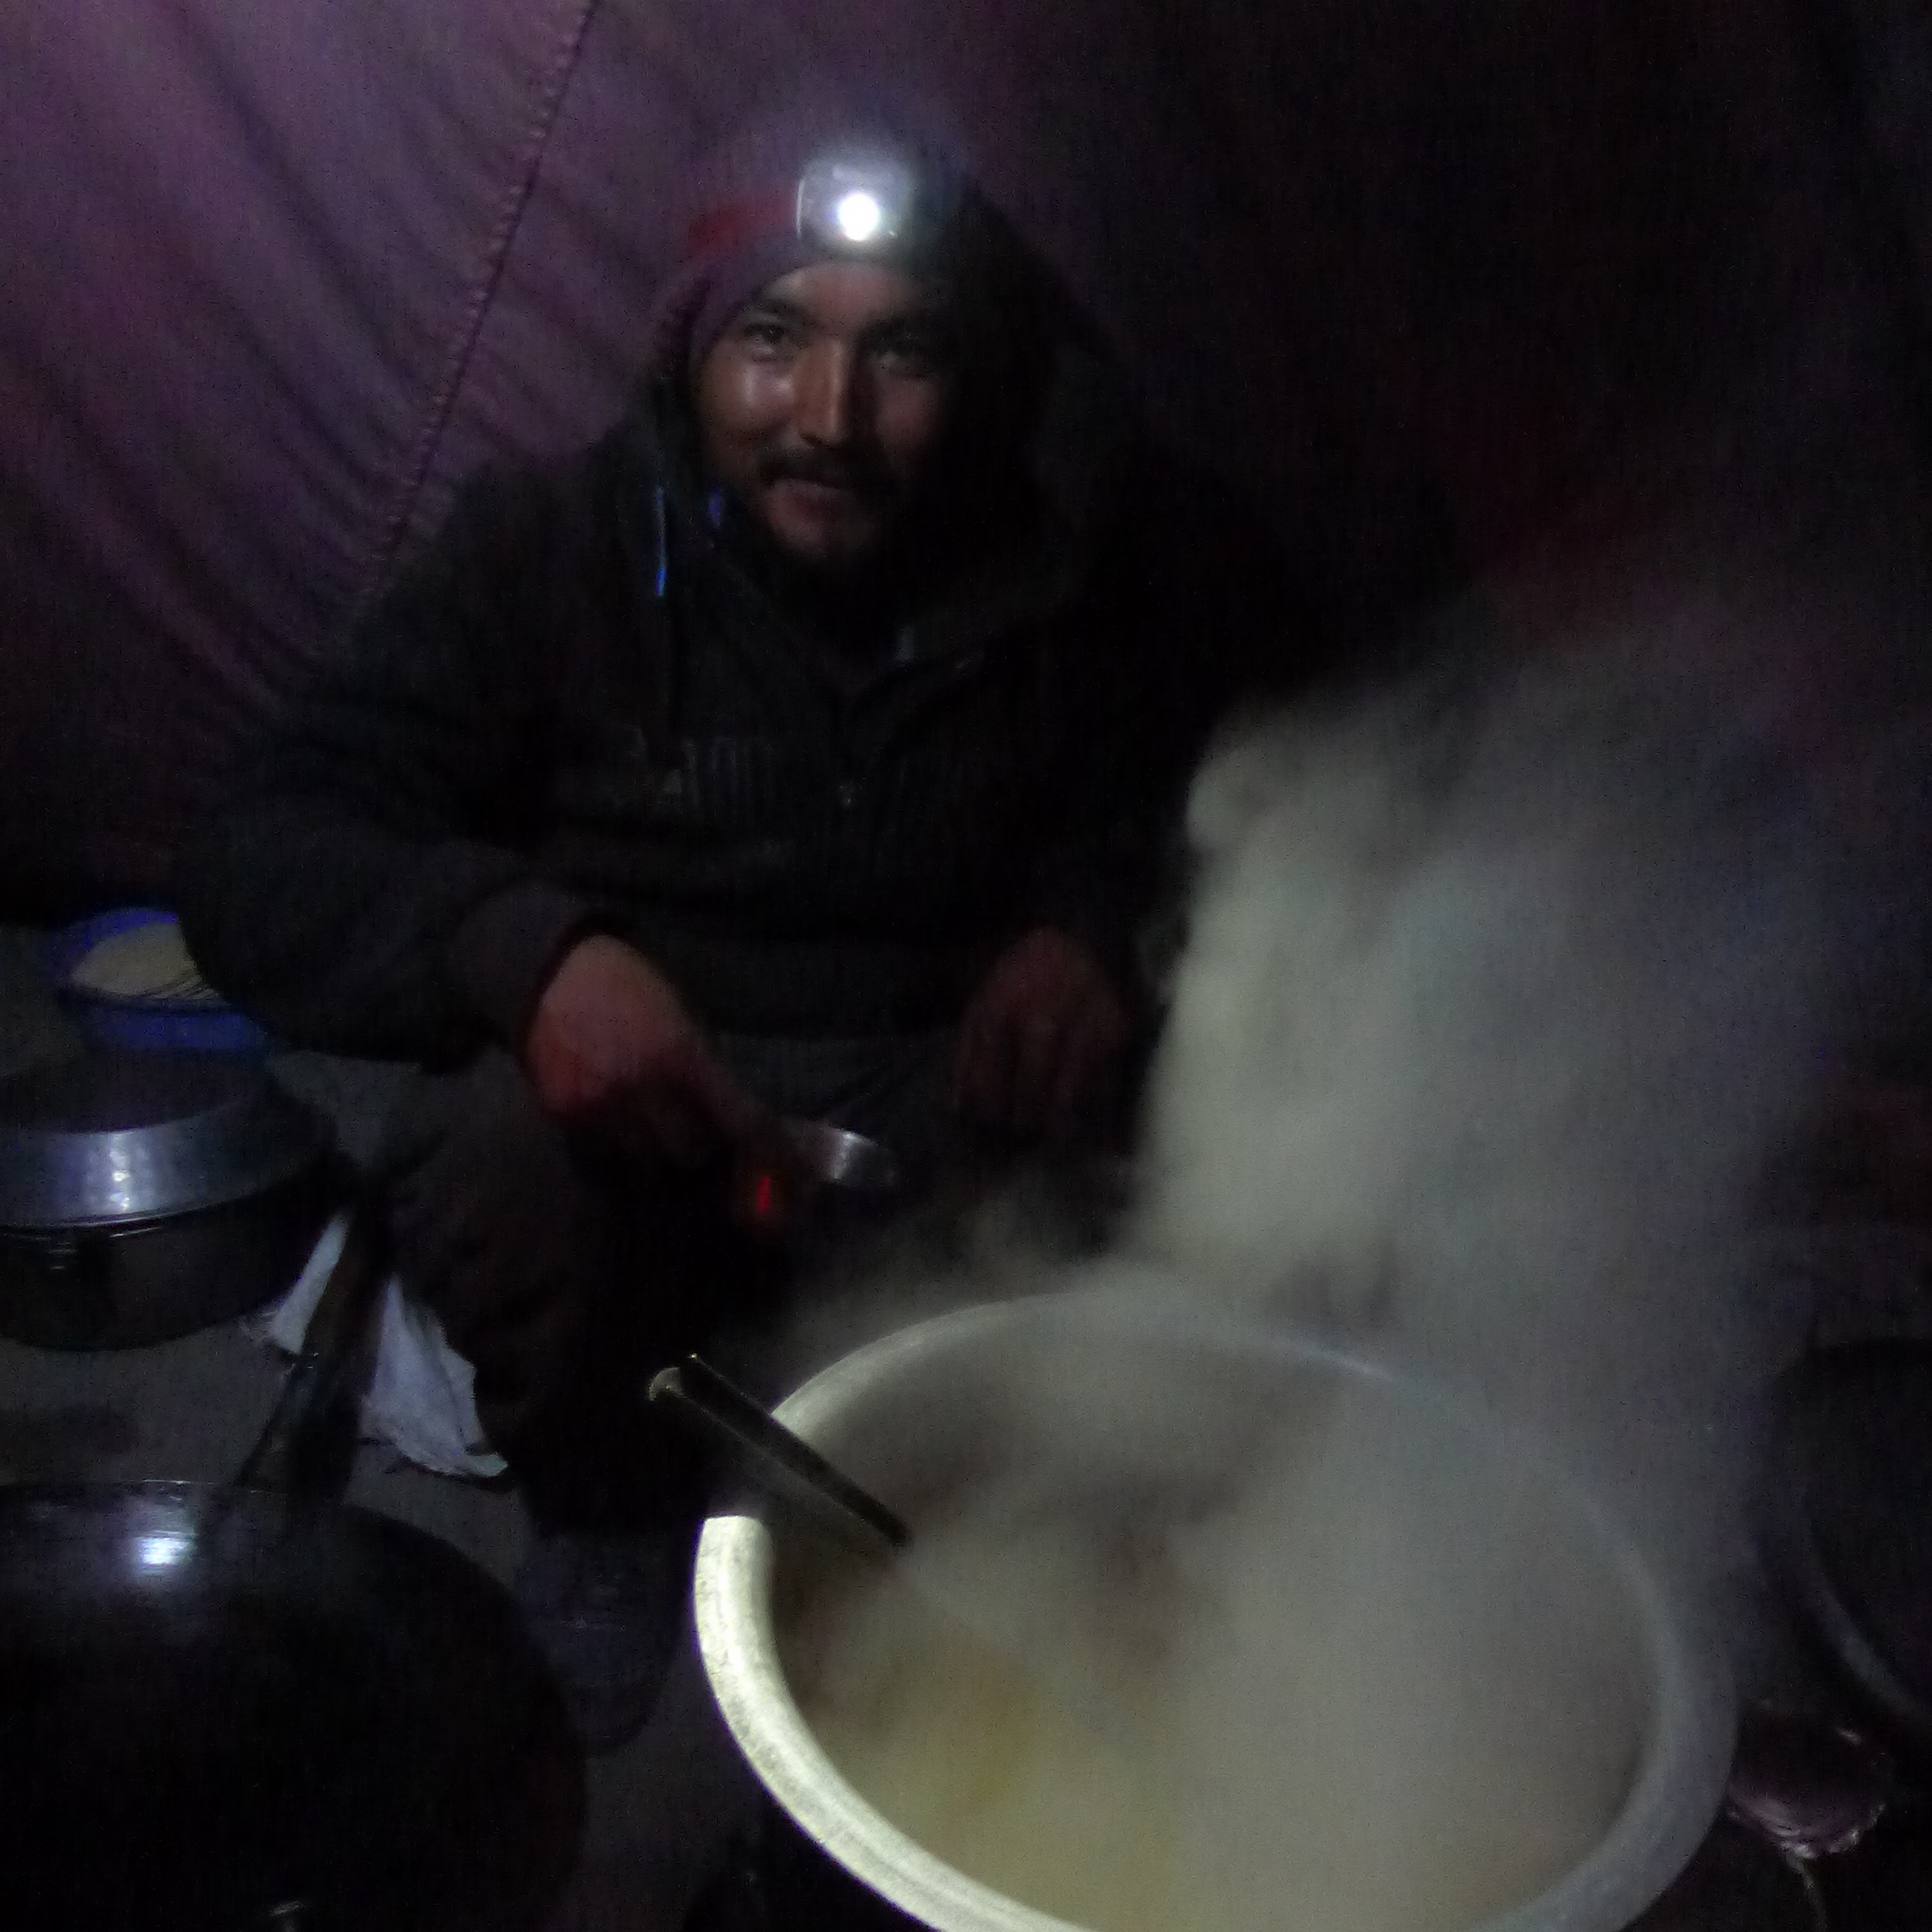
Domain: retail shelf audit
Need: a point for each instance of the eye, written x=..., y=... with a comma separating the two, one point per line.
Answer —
x=766, y=335
x=916, y=351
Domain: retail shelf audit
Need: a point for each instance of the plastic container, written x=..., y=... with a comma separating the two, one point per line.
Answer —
x=142, y=1023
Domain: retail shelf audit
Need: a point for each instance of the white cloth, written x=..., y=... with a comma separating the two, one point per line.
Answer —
x=421, y=1398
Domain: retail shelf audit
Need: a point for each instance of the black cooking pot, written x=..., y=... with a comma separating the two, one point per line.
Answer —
x=252, y=1708
x=145, y=1196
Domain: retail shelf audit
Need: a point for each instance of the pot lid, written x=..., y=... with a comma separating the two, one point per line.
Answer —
x=115, y=1137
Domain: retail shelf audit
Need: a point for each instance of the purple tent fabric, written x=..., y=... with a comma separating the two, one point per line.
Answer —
x=273, y=279
x=243, y=251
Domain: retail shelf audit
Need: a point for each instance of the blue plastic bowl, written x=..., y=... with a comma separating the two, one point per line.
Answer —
x=143, y=1026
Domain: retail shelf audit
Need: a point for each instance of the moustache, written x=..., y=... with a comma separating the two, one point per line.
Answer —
x=832, y=472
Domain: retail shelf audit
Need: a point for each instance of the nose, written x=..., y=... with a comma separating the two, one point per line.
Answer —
x=828, y=396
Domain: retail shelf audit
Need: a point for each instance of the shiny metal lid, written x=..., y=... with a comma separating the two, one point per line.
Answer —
x=113, y=1138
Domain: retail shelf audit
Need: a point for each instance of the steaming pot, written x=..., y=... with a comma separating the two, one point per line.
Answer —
x=901, y=1414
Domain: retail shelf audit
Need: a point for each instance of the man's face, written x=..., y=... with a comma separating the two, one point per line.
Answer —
x=824, y=405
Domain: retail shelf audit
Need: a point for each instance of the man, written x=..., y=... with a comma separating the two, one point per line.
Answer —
x=803, y=748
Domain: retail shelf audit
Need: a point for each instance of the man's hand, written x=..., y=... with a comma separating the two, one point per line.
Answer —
x=1044, y=1025
x=611, y=1040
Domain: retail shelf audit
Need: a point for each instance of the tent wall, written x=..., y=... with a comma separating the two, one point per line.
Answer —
x=1431, y=280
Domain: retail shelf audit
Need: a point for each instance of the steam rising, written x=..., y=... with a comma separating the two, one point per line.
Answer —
x=1504, y=995
x=1501, y=996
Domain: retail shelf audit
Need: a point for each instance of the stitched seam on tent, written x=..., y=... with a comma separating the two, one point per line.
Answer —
x=553, y=85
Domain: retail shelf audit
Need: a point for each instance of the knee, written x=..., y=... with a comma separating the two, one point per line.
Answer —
x=477, y=1176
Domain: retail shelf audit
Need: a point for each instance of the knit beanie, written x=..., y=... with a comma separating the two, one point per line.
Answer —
x=741, y=229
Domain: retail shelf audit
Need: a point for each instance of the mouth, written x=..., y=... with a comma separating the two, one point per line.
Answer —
x=841, y=475
x=814, y=493
x=811, y=511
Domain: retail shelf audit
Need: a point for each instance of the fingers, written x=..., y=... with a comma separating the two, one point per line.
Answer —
x=685, y=1109
x=1088, y=1046
x=731, y=1112
x=969, y=1071
x=695, y=1109
x=986, y=1065
x=1025, y=1068
x=662, y=1124
x=610, y=1036
x=1040, y=1039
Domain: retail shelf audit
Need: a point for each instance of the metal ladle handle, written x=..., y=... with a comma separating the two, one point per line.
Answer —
x=1807, y=1788
x=779, y=1463
x=785, y=1466
x=290, y=1455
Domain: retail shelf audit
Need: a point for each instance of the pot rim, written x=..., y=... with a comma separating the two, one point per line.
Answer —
x=227, y=1132
x=1670, y=1806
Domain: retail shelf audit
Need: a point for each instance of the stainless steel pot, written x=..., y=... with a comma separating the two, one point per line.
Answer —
x=915, y=1414
x=144, y=1195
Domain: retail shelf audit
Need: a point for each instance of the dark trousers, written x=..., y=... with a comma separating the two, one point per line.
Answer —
x=567, y=1269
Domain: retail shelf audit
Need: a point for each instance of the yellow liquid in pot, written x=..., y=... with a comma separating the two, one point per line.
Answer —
x=1124, y=1826
x=989, y=1770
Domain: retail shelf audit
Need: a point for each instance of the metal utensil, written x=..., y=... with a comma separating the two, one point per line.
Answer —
x=785, y=1466
x=762, y=1448
x=783, y=1174
x=1809, y=1787
x=300, y=1450
x=835, y=1157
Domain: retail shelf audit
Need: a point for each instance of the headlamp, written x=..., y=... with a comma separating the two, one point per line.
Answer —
x=864, y=205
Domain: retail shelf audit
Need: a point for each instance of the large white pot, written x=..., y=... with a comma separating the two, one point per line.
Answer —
x=886, y=1412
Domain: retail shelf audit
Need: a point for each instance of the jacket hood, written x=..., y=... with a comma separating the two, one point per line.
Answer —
x=1049, y=413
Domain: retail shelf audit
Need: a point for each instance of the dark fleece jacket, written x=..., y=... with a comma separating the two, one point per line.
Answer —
x=582, y=709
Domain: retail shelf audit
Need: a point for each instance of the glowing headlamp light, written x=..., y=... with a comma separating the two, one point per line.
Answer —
x=861, y=205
